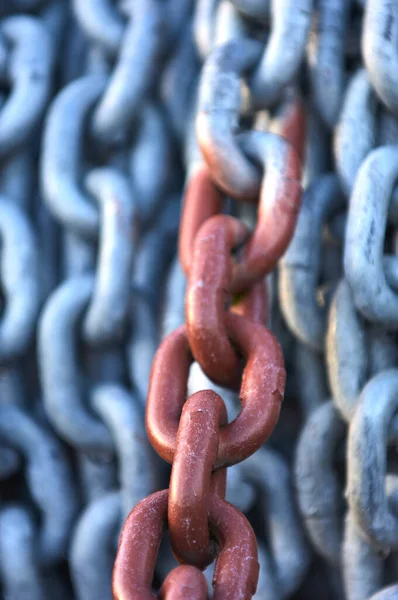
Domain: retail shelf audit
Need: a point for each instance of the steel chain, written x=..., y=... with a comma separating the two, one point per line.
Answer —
x=269, y=130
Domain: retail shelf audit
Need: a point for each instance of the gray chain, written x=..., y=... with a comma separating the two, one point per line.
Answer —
x=98, y=100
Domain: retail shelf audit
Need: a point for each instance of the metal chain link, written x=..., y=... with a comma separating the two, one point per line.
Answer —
x=198, y=221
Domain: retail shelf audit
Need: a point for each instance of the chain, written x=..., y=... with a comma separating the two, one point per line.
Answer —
x=186, y=433
x=198, y=214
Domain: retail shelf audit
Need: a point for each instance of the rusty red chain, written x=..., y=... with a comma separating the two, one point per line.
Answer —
x=236, y=571
x=105, y=106
x=184, y=582
x=226, y=308
x=261, y=393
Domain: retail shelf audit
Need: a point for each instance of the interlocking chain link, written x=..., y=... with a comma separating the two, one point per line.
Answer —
x=184, y=432
x=198, y=214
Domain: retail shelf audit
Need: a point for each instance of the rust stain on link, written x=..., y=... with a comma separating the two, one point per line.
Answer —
x=138, y=548
x=194, y=458
x=261, y=391
x=167, y=392
x=184, y=583
x=237, y=568
x=207, y=297
x=218, y=483
x=202, y=200
x=278, y=209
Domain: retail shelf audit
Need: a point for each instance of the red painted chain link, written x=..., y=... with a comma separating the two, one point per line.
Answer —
x=191, y=476
x=236, y=571
x=261, y=392
x=184, y=582
x=226, y=308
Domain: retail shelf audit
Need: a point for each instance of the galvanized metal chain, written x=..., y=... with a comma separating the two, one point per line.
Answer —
x=217, y=177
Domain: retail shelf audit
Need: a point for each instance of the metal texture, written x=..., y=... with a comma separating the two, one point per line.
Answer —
x=198, y=239
x=237, y=567
x=284, y=50
x=390, y=593
x=28, y=74
x=18, y=561
x=367, y=471
x=107, y=314
x=20, y=281
x=286, y=558
x=367, y=220
x=300, y=267
x=363, y=565
x=327, y=58
x=357, y=118
x=355, y=351
x=319, y=494
x=379, y=52
x=49, y=479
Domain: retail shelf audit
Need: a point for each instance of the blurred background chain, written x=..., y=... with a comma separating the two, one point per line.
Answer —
x=198, y=221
